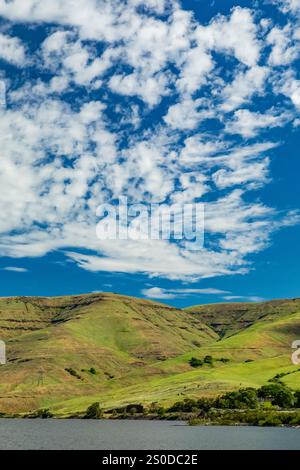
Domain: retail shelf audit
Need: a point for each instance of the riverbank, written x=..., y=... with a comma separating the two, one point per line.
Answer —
x=273, y=404
x=214, y=417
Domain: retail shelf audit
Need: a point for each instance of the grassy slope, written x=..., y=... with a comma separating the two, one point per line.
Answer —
x=139, y=348
x=124, y=339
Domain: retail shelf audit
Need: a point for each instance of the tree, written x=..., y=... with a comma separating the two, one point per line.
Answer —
x=269, y=391
x=186, y=406
x=243, y=398
x=278, y=393
x=44, y=413
x=205, y=404
x=93, y=411
x=284, y=398
x=194, y=362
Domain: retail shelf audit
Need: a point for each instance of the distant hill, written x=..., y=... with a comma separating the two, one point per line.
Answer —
x=66, y=352
x=228, y=318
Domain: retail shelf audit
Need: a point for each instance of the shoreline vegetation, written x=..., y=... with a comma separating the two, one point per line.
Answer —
x=273, y=404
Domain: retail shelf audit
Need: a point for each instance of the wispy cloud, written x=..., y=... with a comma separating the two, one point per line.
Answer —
x=161, y=293
x=245, y=298
x=15, y=269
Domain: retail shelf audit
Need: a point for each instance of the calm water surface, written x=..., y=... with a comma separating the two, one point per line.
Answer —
x=132, y=435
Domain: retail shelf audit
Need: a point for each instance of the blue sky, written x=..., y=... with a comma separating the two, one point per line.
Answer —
x=161, y=101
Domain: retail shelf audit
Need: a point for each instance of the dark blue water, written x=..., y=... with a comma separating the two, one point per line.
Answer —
x=132, y=435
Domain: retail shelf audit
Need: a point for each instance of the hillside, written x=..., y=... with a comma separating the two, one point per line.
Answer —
x=67, y=352
x=113, y=334
x=228, y=318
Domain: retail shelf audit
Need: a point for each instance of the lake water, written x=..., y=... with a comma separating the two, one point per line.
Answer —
x=146, y=435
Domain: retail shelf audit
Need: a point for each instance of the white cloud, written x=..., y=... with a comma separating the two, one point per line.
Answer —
x=12, y=50
x=244, y=298
x=15, y=269
x=150, y=89
x=289, y=5
x=289, y=85
x=284, y=50
x=188, y=113
x=254, y=173
x=63, y=52
x=236, y=35
x=243, y=87
x=198, y=64
x=248, y=124
x=157, y=293
x=198, y=148
x=161, y=293
x=92, y=21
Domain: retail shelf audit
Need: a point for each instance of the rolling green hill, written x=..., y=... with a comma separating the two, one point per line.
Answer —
x=66, y=352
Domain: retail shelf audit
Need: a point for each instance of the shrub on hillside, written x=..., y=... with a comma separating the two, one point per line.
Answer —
x=73, y=372
x=44, y=413
x=93, y=411
x=194, y=362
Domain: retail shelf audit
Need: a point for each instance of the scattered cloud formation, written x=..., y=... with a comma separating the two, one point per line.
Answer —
x=139, y=98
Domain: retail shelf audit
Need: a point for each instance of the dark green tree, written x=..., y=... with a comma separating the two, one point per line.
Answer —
x=278, y=393
x=243, y=398
x=93, y=411
x=194, y=362
x=44, y=413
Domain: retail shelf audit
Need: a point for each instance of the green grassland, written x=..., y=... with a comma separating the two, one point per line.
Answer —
x=121, y=350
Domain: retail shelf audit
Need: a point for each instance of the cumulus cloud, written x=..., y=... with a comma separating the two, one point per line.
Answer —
x=12, y=50
x=284, y=48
